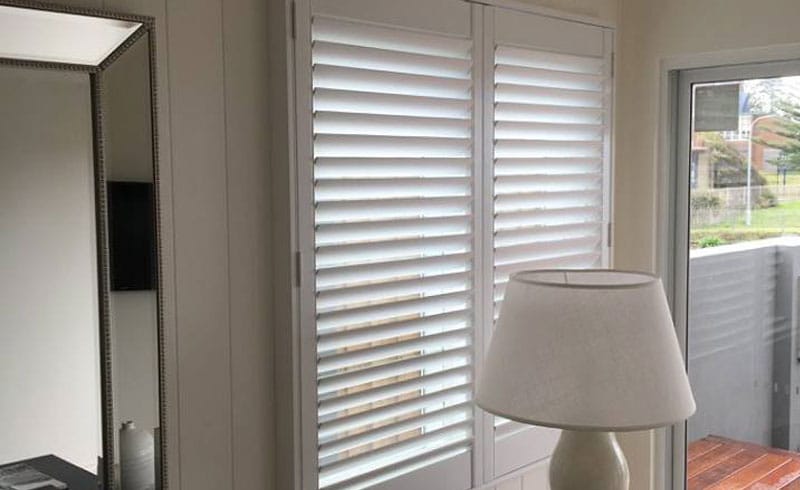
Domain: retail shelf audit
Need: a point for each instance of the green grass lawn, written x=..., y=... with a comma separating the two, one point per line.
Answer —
x=783, y=219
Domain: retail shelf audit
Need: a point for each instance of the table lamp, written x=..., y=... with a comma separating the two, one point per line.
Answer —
x=591, y=352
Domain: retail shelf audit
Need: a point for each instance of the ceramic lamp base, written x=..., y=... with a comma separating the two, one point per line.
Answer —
x=588, y=461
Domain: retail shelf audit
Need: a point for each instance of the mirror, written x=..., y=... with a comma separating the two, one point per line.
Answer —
x=80, y=308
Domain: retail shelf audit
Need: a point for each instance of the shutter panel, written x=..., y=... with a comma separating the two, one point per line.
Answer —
x=550, y=164
x=393, y=214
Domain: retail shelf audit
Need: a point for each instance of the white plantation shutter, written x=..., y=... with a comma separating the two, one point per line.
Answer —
x=393, y=205
x=551, y=118
x=441, y=147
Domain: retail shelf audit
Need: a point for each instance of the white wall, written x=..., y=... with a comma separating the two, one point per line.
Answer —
x=49, y=351
x=135, y=358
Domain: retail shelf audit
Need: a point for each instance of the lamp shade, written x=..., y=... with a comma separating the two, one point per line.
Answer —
x=585, y=350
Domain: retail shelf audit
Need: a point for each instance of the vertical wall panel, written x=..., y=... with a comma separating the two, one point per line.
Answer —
x=201, y=241
x=246, y=58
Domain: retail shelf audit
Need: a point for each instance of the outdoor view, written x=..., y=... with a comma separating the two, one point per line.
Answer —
x=726, y=206
x=744, y=272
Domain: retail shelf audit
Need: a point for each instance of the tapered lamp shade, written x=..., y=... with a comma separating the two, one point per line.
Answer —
x=586, y=350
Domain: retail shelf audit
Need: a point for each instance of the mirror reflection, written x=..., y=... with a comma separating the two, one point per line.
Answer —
x=49, y=313
x=78, y=39
x=79, y=289
x=133, y=297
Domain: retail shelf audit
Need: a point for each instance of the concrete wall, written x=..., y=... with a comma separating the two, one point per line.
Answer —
x=49, y=350
x=743, y=318
x=732, y=320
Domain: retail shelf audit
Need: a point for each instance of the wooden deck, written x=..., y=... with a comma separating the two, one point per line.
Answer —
x=724, y=464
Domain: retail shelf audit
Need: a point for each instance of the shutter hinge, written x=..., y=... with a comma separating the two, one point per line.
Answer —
x=298, y=258
x=613, y=63
x=294, y=20
x=610, y=233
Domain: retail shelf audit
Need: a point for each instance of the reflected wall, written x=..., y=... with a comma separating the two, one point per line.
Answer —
x=49, y=329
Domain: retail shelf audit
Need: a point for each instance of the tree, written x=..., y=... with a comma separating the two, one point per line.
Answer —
x=787, y=128
x=729, y=166
x=762, y=94
x=730, y=170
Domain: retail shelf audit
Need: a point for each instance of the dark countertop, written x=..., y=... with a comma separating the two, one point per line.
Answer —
x=77, y=478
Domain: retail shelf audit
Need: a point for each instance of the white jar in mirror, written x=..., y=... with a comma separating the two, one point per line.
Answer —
x=136, y=456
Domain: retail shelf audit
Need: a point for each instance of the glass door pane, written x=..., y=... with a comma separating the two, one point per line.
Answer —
x=744, y=266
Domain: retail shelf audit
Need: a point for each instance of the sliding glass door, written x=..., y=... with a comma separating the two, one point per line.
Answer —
x=737, y=274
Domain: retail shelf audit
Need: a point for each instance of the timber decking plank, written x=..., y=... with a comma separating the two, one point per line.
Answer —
x=723, y=469
x=753, y=472
x=718, y=463
x=751, y=445
x=701, y=447
x=782, y=477
x=711, y=458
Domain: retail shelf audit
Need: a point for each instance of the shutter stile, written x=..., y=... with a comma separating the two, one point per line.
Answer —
x=393, y=199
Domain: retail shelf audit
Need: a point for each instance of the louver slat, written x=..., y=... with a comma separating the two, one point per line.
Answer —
x=449, y=378
x=388, y=458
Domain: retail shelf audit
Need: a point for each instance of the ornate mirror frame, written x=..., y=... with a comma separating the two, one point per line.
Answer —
x=95, y=73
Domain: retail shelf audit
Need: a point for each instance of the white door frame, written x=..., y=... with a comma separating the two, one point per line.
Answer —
x=672, y=251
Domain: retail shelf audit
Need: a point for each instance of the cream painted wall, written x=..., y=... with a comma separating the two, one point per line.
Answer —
x=650, y=31
x=606, y=10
